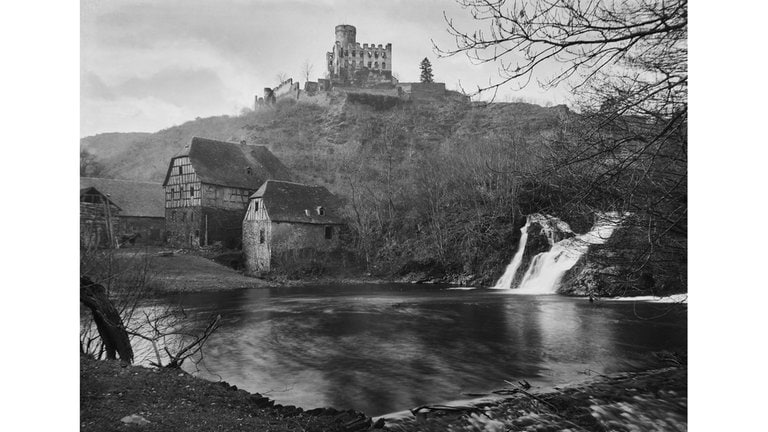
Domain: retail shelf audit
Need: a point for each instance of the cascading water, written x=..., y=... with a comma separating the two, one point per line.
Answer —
x=509, y=274
x=547, y=268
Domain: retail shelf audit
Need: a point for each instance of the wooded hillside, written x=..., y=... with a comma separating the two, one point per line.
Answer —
x=432, y=191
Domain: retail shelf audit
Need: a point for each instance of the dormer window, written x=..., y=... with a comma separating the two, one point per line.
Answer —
x=306, y=212
x=320, y=211
x=249, y=170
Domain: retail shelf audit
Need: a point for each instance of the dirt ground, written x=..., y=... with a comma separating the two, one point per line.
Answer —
x=172, y=400
x=171, y=271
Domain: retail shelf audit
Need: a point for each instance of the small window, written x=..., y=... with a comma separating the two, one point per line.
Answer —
x=173, y=216
x=383, y=65
x=306, y=212
x=321, y=211
x=376, y=65
x=383, y=55
x=328, y=232
x=191, y=191
x=179, y=170
x=256, y=205
x=261, y=236
x=369, y=65
x=249, y=171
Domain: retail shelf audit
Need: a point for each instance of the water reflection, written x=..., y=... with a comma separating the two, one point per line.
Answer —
x=385, y=348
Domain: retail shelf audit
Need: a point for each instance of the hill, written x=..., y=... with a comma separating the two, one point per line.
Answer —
x=425, y=185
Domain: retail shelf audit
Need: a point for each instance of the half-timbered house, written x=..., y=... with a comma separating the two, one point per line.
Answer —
x=207, y=190
x=286, y=218
x=142, y=213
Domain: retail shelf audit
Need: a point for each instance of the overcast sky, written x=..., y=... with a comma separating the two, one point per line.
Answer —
x=148, y=65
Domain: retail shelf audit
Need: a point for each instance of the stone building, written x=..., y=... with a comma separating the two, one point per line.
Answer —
x=207, y=190
x=289, y=219
x=141, y=218
x=349, y=62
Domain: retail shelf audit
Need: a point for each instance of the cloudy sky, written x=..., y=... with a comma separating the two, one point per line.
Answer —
x=147, y=65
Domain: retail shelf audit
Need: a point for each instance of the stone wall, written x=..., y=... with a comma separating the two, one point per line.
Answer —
x=282, y=239
x=256, y=251
x=183, y=227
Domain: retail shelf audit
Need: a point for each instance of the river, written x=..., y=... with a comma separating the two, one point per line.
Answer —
x=380, y=348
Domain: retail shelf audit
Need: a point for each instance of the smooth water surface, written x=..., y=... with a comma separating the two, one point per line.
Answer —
x=386, y=348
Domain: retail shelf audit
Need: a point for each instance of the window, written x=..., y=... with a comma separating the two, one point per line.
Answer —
x=383, y=65
x=369, y=65
x=179, y=170
x=249, y=171
x=256, y=205
x=376, y=65
x=354, y=53
x=383, y=55
x=191, y=191
x=173, y=216
x=306, y=212
x=183, y=216
x=328, y=232
x=192, y=217
x=321, y=211
x=261, y=236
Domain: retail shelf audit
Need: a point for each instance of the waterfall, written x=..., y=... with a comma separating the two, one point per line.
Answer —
x=509, y=274
x=547, y=268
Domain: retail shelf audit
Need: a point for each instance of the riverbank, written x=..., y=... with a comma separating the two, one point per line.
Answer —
x=113, y=395
x=168, y=400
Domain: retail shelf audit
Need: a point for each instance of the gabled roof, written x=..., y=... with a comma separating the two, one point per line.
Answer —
x=91, y=192
x=226, y=164
x=140, y=199
x=288, y=202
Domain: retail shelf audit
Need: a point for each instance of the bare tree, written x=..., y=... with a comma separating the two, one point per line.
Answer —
x=626, y=65
x=124, y=321
x=306, y=70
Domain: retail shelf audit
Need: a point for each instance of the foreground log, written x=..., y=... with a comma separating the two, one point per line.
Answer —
x=108, y=322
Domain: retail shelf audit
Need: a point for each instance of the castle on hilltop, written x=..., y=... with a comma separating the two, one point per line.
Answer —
x=358, y=69
x=352, y=63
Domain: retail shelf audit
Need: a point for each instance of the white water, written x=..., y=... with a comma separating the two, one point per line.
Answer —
x=509, y=274
x=547, y=268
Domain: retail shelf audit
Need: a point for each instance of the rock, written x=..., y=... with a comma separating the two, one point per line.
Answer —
x=135, y=419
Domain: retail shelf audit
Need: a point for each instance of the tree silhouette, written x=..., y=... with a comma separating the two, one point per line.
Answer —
x=426, y=71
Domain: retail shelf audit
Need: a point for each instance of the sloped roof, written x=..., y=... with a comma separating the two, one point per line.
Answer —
x=140, y=199
x=95, y=192
x=287, y=202
x=226, y=164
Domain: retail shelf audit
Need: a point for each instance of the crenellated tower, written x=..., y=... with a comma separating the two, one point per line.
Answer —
x=349, y=62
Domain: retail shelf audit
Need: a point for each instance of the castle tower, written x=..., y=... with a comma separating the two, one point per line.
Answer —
x=345, y=35
x=350, y=62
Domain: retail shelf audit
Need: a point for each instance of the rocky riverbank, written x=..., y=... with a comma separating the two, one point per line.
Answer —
x=113, y=395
